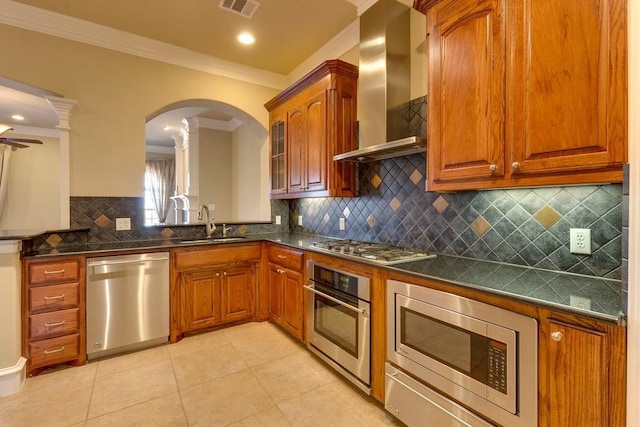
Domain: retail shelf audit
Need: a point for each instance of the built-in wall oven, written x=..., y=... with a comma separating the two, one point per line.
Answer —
x=460, y=350
x=338, y=322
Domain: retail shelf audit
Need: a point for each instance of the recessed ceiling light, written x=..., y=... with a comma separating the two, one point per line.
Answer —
x=17, y=117
x=246, y=38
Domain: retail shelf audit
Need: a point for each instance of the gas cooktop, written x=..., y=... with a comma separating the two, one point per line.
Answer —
x=376, y=252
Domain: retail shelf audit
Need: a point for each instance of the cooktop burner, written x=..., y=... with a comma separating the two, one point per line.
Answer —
x=376, y=252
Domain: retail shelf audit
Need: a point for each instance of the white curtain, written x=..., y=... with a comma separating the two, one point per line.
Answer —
x=161, y=177
x=5, y=154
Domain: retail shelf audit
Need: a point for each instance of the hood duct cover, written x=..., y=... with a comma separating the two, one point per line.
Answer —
x=384, y=84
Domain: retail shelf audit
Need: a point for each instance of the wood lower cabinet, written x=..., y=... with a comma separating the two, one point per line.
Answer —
x=53, y=312
x=582, y=373
x=286, y=296
x=526, y=93
x=213, y=286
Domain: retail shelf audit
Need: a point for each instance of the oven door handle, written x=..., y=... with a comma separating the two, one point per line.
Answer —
x=336, y=300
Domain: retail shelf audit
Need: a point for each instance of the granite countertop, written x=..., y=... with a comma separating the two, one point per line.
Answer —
x=551, y=289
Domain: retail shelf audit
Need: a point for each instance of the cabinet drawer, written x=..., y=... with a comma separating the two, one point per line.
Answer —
x=54, y=272
x=286, y=257
x=52, y=324
x=54, y=350
x=55, y=297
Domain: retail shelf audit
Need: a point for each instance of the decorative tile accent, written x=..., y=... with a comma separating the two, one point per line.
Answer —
x=547, y=216
x=480, y=226
x=376, y=181
x=54, y=240
x=441, y=204
x=166, y=233
x=102, y=221
x=395, y=204
x=416, y=176
x=346, y=212
x=326, y=218
x=371, y=220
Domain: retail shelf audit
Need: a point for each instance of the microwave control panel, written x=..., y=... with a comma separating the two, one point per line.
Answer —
x=497, y=356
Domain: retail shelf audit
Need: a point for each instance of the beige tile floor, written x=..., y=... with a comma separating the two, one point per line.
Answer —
x=247, y=375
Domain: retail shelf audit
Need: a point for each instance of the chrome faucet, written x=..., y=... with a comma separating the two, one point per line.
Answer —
x=208, y=222
x=225, y=229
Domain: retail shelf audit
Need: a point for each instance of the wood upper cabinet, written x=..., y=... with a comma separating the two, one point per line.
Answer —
x=318, y=117
x=278, y=155
x=525, y=93
x=466, y=90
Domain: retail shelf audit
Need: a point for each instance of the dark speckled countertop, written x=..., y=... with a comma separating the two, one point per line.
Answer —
x=540, y=287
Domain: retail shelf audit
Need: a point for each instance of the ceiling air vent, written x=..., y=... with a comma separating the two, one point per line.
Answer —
x=245, y=8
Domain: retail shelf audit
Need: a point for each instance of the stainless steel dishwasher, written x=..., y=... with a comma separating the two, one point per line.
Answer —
x=127, y=303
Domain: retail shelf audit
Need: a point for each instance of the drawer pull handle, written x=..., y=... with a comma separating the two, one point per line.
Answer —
x=282, y=256
x=54, y=271
x=51, y=325
x=57, y=350
x=47, y=298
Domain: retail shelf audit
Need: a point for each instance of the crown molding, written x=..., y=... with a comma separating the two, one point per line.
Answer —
x=58, y=25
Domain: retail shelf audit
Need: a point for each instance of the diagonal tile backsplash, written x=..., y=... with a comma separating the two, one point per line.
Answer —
x=527, y=227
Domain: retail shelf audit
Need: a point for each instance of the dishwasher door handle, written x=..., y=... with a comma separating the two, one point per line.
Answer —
x=131, y=261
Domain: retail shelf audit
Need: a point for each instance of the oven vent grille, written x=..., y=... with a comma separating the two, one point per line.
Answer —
x=245, y=8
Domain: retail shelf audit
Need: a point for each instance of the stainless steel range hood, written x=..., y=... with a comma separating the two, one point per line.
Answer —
x=384, y=84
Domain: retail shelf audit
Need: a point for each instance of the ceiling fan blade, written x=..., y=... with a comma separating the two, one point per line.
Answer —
x=30, y=141
x=12, y=144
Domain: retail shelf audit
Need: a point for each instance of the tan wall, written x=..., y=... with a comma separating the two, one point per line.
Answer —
x=116, y=92
x=215, y=172
x=33, y=194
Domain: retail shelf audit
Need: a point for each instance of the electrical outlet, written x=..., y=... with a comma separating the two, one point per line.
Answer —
x=123, y=224
x=212, y=207
x=300, y=220
x=342, y=224
x=580, y=241
x=580, y=302
x=278, y=220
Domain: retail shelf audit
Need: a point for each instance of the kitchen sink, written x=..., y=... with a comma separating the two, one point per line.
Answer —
x=213, y=240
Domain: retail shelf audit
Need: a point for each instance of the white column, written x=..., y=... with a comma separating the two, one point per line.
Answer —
x=193, y=156
x=63, y=107
x=178, y=139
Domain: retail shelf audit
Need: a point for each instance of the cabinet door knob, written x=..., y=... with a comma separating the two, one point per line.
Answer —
x=217, y=274
x=493, y=168
x=556, y=336
x=224, y=273
x=515, y=165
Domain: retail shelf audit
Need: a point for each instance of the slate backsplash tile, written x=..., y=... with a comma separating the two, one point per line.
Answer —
x=527, y=227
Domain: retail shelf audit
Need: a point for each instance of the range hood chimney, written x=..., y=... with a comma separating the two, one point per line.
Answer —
x=384, y=84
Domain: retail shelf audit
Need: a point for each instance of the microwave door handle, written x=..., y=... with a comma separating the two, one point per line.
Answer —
x=336, y=300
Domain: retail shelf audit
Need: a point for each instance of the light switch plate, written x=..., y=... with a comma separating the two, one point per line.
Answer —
x=123, y=224
x=278, y=220
x=342, y=224
x=580, y=241
x=299, y=219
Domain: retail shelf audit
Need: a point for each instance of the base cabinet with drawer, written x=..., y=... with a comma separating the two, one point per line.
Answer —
x=53, y=320
x=286, y=278
x=213, y=286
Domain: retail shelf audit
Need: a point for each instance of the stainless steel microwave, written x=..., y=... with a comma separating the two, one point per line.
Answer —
x=482, y=356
